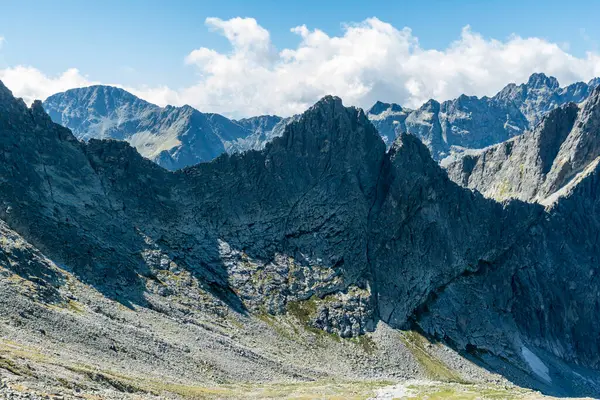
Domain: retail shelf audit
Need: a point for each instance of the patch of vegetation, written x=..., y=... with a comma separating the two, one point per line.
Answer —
x=434, y=368
x=20, y=351
x=118, y=382
x=323, y=334
x=275, y=324
x=65, y=383
x=296, y=390
x=75, y=306
x=303, y=310
x=465, y=392
x=504, y=189
x=235, y=322
x=10, y=366
x=366, y=342
x=165, y=275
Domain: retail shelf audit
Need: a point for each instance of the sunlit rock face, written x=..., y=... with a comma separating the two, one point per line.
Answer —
x=469, y=122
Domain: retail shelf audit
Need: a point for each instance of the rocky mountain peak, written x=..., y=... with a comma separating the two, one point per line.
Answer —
x=327, y=102
x=410, y=144
x=5, y=93
x=541, y=80
x=380, y=107
x=580, y=148
x=100, y=99
x=594, y=97
x=262, y=123
x=332, y=127
x=38, y=113
x=8, y=103
x=507, y=92
x=463, y=99
x=389, y=118
x=552, y=132
x=431, y=105
x=408, y=149
x=174, y=137
x=327, y=112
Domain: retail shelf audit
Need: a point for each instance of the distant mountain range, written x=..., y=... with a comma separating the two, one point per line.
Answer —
x=540, y=165
x=177, y=137
x=173, y=137
x=473, y=123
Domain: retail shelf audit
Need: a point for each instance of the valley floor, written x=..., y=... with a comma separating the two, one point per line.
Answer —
x=183, y=344
x=125, y=387
x=31, y=372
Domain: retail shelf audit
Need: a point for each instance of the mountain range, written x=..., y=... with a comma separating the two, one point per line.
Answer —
x=539, y=165
x=469, y=122
x=177, y=137
x=327, y=253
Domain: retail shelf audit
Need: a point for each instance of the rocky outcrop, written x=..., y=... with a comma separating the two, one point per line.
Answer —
x=323, y=224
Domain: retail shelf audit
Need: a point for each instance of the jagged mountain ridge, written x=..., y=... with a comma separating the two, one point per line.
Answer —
x=173, y=137
x=469, y=122
x=176, y=137
x=539, y=165
x=322, y=215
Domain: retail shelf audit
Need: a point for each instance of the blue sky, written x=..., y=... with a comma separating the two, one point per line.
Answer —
x=144, y=43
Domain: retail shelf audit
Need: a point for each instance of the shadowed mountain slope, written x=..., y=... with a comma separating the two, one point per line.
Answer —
x=323, y=224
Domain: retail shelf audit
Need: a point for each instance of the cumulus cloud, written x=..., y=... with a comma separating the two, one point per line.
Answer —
x=30, y=83
x=371, y=60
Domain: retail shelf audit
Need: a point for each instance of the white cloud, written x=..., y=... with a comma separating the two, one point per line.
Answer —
x=370, y=61
x=2, y=40
x=161, y=95
x=31, y=83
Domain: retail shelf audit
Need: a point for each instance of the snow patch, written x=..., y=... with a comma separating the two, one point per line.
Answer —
x=537, y=366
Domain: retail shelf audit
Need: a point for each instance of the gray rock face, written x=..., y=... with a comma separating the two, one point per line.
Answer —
x=262, y=124
x=322, y=223
x=474, y=123
x=264, y=129
x=541, y=94
x=389, y=119
x=539, y=165
x=468, y=122
x=481, y=274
